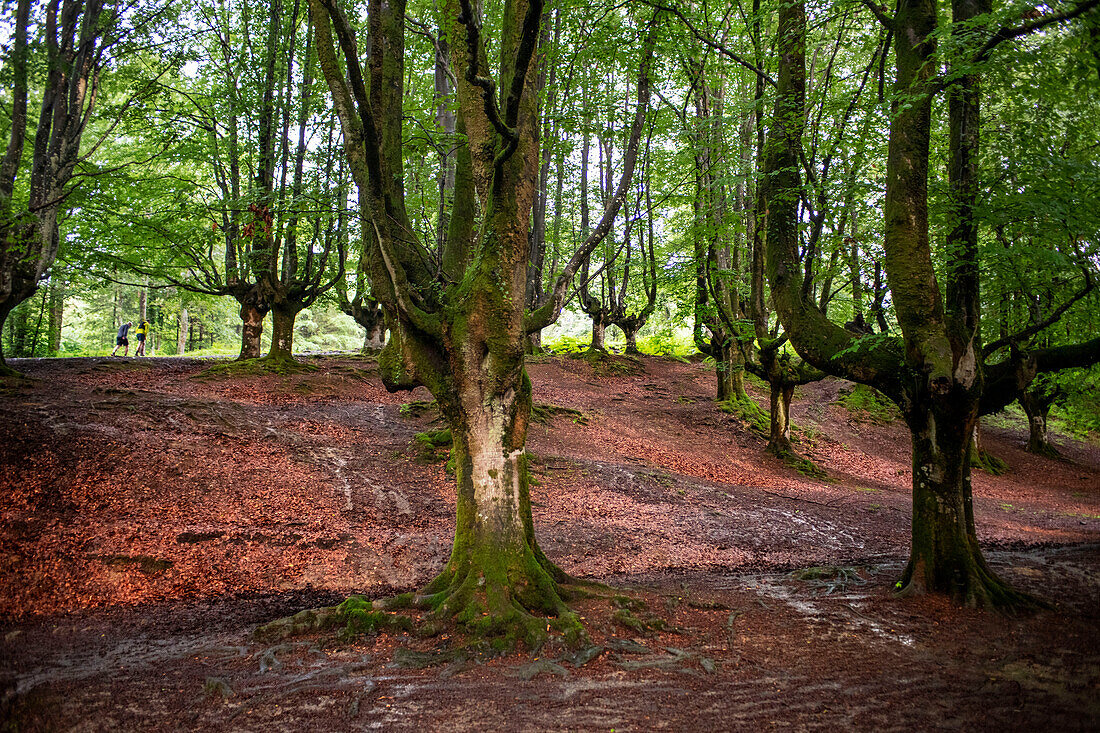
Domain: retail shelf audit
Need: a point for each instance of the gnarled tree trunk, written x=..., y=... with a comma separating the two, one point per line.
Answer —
x=1036, y=404
x=252, y=328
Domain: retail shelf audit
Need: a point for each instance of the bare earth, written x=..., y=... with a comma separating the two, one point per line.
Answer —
x=151, y=517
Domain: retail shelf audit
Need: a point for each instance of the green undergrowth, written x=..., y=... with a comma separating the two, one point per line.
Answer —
x=417, y=408
x=542, y=412
x=470, y=637
x=828, y=579
x=632, y=613
x=867, y=404
x=434, y=445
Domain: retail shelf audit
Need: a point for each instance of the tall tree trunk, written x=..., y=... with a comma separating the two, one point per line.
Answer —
x=945, y=555
x=1036, y=404
x=5, y=309
x=468, y=351
x=496, y=566
x=631, y=335
x=57, y=314
x=184, y=329
x=731, y=371
x=374, y=338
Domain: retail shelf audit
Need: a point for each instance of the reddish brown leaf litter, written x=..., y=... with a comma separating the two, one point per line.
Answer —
x=152, y=517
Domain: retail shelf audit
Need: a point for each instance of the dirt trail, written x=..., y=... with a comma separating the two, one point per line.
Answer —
x=152, y=517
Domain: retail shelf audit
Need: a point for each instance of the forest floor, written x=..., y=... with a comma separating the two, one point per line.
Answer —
x=151, y=516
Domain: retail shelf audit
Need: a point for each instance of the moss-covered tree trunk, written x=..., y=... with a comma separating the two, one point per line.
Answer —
x=935, y=373
x=374, y=338
x=6, y=308
x=184, y=326
x=282, y=332
x=731, y=372
x=497, y=577
x=462, y=335
x=945, y=556
x=631, y=335
x=779, y=433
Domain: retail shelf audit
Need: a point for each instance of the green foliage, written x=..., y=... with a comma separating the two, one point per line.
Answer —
x=417, y=407
x=433, y=443
x=988, y=462
x=1079, y=411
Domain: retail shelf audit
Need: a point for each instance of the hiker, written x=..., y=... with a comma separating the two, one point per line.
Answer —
x=141, y=332
x=121, y=339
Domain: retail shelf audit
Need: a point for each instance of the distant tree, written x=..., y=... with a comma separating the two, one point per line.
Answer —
x=79, y=39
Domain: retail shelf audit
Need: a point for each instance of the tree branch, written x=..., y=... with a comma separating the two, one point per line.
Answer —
x=548, y=313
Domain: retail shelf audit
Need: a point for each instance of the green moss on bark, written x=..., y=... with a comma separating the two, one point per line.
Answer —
x=745, y=409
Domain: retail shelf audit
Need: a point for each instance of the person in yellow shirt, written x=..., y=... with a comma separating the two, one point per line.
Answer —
x=141, y=332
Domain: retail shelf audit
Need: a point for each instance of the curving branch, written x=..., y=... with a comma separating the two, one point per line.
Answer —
x=1035, y=328
x=713, y=44
x=548, y=313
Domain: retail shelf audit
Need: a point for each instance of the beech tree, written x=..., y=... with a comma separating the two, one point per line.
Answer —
x=458, y=323
x=935, y=371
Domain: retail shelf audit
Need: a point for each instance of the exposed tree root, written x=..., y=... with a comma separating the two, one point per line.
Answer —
x=799, y=463
x=745, y=408
x=988, y=462
x=262, y=365
x=1044, y=449
x=497, y=615
x=525, y=604
x=351, y=618
x=979, y=587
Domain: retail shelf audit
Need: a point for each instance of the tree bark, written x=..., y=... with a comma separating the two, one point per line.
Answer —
x=1036, y=406
x=57, y=314
x=779, y=434
x=465, y=345
x=282, y=332
x=184, y=330
x=74, y=55
x=945, y=556
x=631, y=335
x=252, y=328
x=599, y=329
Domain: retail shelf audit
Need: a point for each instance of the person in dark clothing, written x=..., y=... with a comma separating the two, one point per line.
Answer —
x=121, y=339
